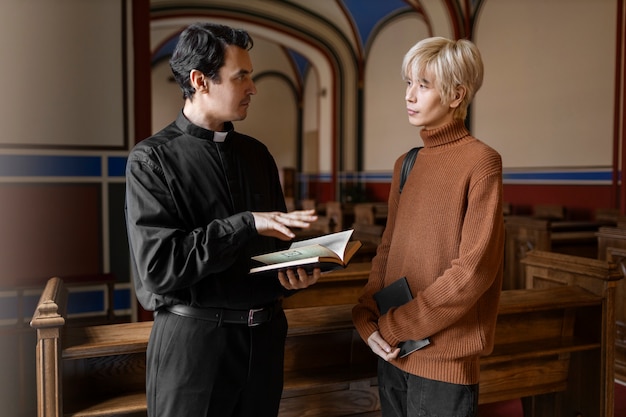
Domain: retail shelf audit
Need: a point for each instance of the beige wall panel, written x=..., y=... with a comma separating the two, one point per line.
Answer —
x=547, y=98
x=268, y=56
x=167, y=97
x=438, y=15
x=272, y=118
x=61, y=82
x=310, y=151
x=387, y=132
x=310, y=123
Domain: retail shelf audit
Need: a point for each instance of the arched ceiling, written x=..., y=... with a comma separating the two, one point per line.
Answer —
x=353, y=20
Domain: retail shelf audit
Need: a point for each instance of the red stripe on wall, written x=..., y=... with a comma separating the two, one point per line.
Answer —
x=49, y=230
x=580, y=201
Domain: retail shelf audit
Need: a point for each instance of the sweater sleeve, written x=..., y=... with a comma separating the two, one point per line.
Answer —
x=168, y=257
x=365, y=313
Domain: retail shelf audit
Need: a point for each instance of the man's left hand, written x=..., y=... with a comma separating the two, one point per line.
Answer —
x=298, y=279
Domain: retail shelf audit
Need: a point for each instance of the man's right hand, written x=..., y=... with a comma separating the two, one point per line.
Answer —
x=277, y=224
x=380, y=347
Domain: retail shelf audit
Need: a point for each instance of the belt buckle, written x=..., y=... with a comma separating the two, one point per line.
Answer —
x=251, y=313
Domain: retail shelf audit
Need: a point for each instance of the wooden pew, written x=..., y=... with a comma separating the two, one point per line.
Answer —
x=329, y=218
x=612, y=247
x=334, y=213
x=591, y=378
x=525, y=233
x=607, y=216
x=336, y=287
x=543, y=337
x=329, y=371
x=100, y=370
x=368, y=225
x=326, y=362
x=549, y=211
x=537, y=333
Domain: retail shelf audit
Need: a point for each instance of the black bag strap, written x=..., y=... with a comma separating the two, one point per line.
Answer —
x=407, y=165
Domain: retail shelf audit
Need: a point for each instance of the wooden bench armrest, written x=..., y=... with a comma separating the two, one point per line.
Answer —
x=52, y=305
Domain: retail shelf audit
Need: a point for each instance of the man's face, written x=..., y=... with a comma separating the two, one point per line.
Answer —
x=424, y=104
x=229, y=99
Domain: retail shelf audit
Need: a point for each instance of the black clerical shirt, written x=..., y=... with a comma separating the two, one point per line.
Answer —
x=188, y=210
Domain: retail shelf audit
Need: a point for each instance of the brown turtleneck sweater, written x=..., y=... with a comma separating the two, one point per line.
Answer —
x=445, y=234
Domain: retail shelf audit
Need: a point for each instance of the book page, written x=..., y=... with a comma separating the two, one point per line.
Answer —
x=336, y=242
x=295, y=254
x=311, y=252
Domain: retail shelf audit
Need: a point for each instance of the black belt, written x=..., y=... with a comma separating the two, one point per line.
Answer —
x=252, y=317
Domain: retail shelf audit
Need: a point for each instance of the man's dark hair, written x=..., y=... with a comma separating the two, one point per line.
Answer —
x=201, y=46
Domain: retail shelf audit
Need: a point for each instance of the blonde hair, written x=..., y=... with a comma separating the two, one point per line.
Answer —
x=451, y=63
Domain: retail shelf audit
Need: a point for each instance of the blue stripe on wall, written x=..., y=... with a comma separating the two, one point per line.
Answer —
x=589, y=177
x=90, y=166
x=85, y=302
x=30, y=304
x=50, y=165
x=8, y=308
x=122, y=299
x=594, y=176
x=116, y=166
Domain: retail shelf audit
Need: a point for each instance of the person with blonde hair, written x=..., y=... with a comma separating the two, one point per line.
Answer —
x=445, y=234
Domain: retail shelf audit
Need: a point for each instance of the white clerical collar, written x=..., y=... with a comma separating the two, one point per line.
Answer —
x=219, y=136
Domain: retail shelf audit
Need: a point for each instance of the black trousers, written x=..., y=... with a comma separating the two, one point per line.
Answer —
x=196, y=368
x=406, y=395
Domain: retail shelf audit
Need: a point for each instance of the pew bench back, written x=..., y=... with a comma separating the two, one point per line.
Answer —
x=537, y=331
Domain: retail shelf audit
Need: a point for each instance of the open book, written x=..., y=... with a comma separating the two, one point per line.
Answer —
x=328, y=252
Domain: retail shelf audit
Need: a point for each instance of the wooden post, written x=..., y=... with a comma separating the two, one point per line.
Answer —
x=48, y=320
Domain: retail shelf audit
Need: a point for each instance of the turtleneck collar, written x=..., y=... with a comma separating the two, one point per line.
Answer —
x=445, y=134
x=191, y=129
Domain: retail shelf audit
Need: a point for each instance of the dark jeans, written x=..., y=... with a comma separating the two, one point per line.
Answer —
x=196, y=368
x=406, y=395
